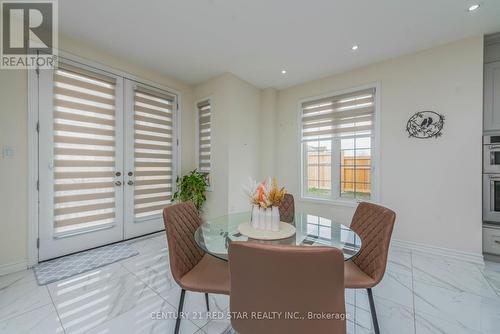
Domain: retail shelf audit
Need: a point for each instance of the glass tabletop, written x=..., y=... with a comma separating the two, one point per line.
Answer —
x=214, y=235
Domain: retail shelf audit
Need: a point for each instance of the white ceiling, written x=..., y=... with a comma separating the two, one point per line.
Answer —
x=194, y=40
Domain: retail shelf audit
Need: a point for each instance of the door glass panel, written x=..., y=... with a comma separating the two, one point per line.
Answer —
x=153, y=161
x=355, y=168
x=496, y=195
x=319, y=164
x=84, y=150
x=495, y=158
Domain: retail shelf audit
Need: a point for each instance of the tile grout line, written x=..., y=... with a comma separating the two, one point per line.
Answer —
x=354, y=319
x=413, y=294
x=98, y=284
x=23, y=313
x=454, y=289
x=31, y=310
x=355, y=309
x=102, y=283
x=175, y=307
x=488, y=281
x=146, y=284
x=55, y=308
x=128, y=272
x=151, y=288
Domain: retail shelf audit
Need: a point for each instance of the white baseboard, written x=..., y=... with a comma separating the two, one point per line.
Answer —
x=439, y=251
x=13, y=267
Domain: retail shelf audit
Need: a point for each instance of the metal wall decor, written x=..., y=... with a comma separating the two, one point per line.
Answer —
x=425, y=124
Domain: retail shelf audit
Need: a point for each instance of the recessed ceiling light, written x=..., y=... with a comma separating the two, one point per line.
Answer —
x=473, y=7
x=354, y=47
x=283, y=71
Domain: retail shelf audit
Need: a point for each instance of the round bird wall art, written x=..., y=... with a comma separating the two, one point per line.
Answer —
x=425, y=124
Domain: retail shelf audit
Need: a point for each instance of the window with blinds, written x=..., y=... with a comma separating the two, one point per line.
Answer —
x=84, y=149
x=153, y=133
x=204, y=138
x=337, y=135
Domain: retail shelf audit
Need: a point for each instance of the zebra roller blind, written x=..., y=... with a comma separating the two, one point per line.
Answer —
x=84, y=148
x=204, y=136
x=153, y=151
x=346, y=115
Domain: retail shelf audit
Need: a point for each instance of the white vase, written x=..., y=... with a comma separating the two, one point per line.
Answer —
x=255, y=216
x=275, y=225
x=262, y=218
x=269, y=219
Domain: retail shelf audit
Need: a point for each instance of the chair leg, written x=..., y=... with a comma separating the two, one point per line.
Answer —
x=372, y=309
x=206, y=300
x=179, y=312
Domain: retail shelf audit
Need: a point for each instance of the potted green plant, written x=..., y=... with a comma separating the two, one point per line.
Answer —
x=192, y=187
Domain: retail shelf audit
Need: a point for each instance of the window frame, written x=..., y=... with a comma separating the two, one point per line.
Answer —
x=197, y=138
x=335, y=159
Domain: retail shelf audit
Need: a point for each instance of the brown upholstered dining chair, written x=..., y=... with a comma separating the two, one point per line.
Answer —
x=294, y=280
x=374, y=224
x=191, y=268
x=287, y=209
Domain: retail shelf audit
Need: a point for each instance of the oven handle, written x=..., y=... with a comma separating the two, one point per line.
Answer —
x=494, y=147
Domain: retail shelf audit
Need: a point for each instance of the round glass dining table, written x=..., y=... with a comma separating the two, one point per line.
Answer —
x=214, y=235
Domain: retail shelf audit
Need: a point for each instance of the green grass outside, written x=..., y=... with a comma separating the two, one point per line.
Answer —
x=347, y=194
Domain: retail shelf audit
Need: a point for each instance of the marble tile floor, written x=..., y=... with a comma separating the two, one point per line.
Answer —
x=419, y=294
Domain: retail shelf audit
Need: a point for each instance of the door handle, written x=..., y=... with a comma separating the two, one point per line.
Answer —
x=130, y=182
x=118, y=183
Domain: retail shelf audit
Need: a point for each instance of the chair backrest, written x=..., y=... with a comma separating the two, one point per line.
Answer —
x=181, y=221
x=294, y=280
x=287, y=209
x=374, y=224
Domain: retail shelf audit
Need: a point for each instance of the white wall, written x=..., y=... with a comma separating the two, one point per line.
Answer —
x=268, y=107
x=13, y=171
x=244, y=140
x=434, y=185
x=13, y=132
x=235, y=141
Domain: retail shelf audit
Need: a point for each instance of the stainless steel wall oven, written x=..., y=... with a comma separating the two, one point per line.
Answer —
x=491, y=179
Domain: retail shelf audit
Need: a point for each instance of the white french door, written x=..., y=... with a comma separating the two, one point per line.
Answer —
x=150, y=153
x=106, y=158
